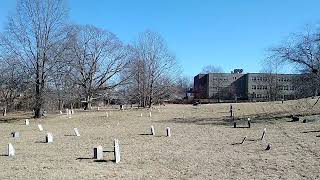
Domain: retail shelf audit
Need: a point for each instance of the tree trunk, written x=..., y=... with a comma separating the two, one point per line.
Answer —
x=88, y=105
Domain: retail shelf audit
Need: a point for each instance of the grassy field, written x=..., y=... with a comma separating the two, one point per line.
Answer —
x=204, y=144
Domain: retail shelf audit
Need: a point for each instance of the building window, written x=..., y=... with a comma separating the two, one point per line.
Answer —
x=254, y=78
x=254, y=87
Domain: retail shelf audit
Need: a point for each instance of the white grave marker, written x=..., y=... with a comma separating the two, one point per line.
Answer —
x=116, y=150
x=27, y=122
x=76, y=131
x=152, y=131
x=10, y=150
x=98, y=153
x=40, y=127
x=168, y=132
x=150, y=115
x=49, y=138
x=141, y=115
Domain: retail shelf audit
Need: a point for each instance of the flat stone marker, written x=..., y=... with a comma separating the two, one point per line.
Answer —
x=40, y=127
x=49, y=138
x=152, y=131
x=116, y=151
x=15, y=134
x=264, y=133
x=168, y=132
x=27, y=122
x=98, y=153
x=10, y=150
x=76, y=131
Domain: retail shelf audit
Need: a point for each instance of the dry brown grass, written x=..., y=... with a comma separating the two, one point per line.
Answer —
x=200, y=146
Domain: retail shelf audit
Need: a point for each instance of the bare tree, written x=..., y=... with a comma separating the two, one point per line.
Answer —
x=302, y=51
x=99, y=57
x=35, y=35
x=152, y=70
x=211, y=69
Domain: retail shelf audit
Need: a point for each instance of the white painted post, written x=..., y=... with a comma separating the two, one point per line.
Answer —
x=168, y=132
x=10, y=150
x=40, y=127
x=152, y=131
x=98, y=153
x=27, y=122
x=116, y=151
x=76, y=131
x=4, y=111
x=49, y=138
x=264, y=133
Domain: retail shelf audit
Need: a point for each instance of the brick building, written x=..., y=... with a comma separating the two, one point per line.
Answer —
x=236, y=85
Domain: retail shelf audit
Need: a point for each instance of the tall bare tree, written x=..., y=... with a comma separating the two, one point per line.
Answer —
x=152, y=69
x=99, y=57
x=35, y=35
x=303, y=51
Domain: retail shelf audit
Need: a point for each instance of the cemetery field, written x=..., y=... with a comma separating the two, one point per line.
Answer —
x=203, y=143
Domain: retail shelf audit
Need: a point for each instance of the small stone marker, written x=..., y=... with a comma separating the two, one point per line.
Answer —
x=98, y=109
x=264, y=133
x=150, y=115
x=249, y=123
x=152, y=131
x=168, y=132
x=10, y=150
x=40, y=127
x=116, y=151
x=27, y=122
x=49, y=138
x=98, y=153
x=4, y=113
x=141, y=115
x=15, y=134
x=76, y=131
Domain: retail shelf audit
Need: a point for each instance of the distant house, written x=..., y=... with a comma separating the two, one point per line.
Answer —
x=249, y=86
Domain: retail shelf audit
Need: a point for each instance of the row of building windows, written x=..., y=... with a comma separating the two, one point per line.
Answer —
x=264, y=87
x=282, y=79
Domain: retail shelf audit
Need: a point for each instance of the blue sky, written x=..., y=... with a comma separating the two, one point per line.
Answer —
x=226, y=33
